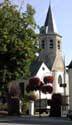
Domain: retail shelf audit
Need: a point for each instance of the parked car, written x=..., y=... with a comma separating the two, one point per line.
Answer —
x=69, y=114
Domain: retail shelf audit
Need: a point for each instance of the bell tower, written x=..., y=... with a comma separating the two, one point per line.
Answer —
x=50, y=43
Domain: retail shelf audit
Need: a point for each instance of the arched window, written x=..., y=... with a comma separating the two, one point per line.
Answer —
x=60, y=80
x=43, y=44
x=51, y=44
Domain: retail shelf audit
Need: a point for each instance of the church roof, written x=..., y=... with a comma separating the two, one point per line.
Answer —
x=34, y=67
x=70, y=65
x=50, y=22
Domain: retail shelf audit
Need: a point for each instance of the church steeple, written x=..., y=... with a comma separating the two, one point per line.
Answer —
x=50, y=22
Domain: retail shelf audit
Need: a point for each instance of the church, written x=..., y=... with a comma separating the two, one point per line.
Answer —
x=50, y=63
x=50, y=59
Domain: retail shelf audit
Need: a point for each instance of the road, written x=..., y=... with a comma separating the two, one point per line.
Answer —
x=27, y=120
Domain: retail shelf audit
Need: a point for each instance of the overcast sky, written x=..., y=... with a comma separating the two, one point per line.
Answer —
x=62, y=10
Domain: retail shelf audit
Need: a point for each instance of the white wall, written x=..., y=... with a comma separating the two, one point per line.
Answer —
x=56, y=86
x=43, y=71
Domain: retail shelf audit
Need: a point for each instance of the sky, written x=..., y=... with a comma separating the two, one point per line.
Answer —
x=62, y=11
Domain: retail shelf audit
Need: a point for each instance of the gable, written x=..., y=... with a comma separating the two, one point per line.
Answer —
x=43, y=71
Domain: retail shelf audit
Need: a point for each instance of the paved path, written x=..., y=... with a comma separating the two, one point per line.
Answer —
x=16, y=124
x=26, y=120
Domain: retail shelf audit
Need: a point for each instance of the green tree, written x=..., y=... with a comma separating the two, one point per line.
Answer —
x=18, y=41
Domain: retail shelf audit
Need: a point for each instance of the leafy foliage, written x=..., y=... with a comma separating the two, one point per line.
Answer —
x=18, y=41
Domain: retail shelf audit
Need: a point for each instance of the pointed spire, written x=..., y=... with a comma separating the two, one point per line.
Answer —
x=50, y=22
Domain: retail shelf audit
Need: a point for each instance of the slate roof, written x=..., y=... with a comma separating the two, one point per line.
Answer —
x=70, y=65
x=50, y=22
x=34, y=67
